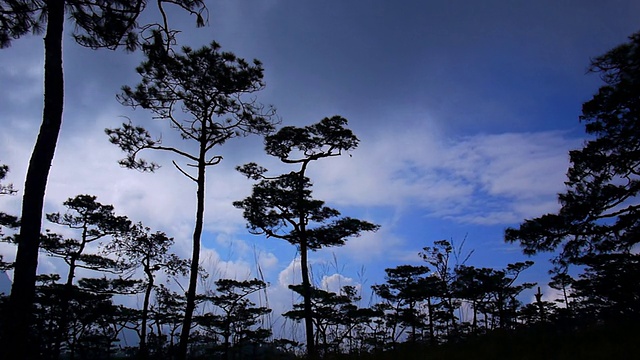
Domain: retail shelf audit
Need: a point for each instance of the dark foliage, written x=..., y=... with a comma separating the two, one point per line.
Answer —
x=100, y=23
x=282, y=206
x=214, y=88
x=600, y=211
x=6, y=220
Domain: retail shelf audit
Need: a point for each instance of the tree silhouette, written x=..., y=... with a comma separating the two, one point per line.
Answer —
x=600, y=212
x=94, y=222
x=90, y=318
x=609, y=290
x=501, y=288
x=285, y=201
x=6, y=220
x=151, y=252
x=562, y=281
x=238, y=315
x=212, y=87
x=335, y=316
x=439, y=256
x=168, y=313
x=472, y=284
x=108, y=24
x=5, y=189
x=404, y=289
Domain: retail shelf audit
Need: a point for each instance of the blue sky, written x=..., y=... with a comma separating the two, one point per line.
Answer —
x=465, y=110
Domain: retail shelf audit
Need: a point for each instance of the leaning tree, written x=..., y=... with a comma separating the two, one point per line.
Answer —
x=213, y=89
x=282, y=206
x=96, y=24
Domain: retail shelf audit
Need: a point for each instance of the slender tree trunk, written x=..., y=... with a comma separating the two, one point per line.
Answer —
x=304, y=266
x=475, y=316
x=413, y=323
x=306, y=290
x=24, y=280
x=540, y=305
x=227, y=341
x=144, y=351
x=432, y=336
x=67, y=293
x=501, y=312
x=195, y=257
x=566, y=298
x=452, y=314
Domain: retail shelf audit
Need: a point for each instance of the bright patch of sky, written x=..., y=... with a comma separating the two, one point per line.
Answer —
x=465, y=111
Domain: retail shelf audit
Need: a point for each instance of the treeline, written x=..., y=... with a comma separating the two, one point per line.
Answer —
x=78, y=318
x=444, y=301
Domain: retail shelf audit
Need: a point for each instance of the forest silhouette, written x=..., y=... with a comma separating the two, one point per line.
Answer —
x=445, y=308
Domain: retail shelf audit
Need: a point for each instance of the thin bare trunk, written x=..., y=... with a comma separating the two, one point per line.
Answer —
x=144, y=351
x=432, y=333
x=304, y=266
x=308, y=313
x=195, y=257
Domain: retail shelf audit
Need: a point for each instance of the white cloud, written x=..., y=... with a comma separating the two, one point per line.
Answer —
x=481, y=179
x=371, y=247
x=335, y=282
x=291, y=274
x=219, y=268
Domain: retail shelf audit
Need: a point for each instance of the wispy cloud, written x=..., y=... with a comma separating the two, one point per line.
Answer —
x=481, y=179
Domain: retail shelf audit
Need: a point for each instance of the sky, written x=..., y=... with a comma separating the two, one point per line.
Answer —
x=465, y=111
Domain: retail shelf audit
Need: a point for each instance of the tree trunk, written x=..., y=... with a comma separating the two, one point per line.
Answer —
x=432, y=337
x=144, y=351
x=24, y=280
x=413, y=322
x=195, y=258
x=304, y=266
x=67, y=294
x=452, y=314
x=475, y=316
x=306, y=290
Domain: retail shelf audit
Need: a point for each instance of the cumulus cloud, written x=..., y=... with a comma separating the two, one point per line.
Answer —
x=335, y=283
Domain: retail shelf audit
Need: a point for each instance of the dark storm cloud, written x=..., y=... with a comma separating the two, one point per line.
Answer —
x=481, y=65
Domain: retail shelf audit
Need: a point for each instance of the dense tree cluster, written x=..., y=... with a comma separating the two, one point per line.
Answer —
x=96, y=24
x=598, y=224
x=432, y=304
